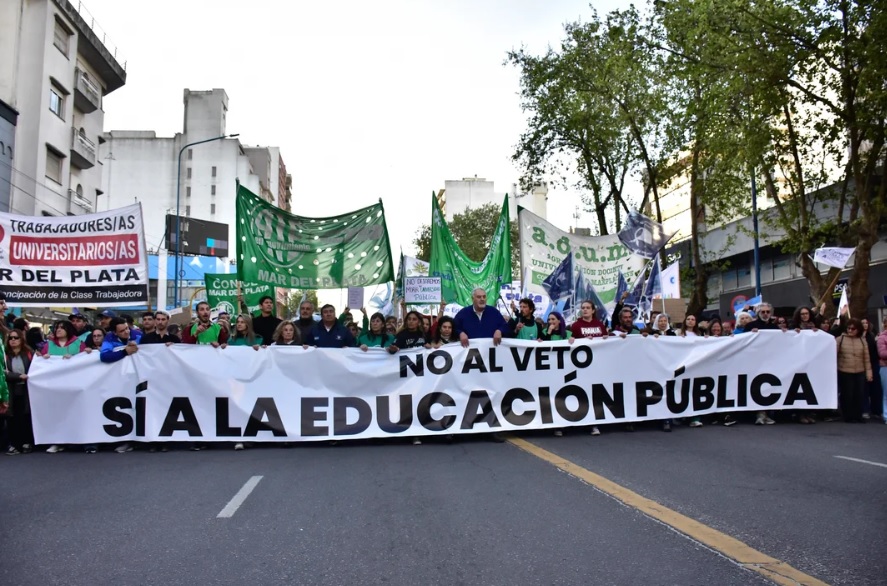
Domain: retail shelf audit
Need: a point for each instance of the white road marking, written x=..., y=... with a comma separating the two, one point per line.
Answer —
x=238, y=499
x=862, y=461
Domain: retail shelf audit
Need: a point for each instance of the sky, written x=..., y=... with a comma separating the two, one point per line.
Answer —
x=384, y=99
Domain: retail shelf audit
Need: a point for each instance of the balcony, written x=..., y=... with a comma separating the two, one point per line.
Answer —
x=87, y=94
x=82, y=150
x=78, y=201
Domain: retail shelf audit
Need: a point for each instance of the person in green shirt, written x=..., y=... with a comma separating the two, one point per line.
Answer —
x=556, y=329
x=524, y=324
x=374, y=334
x=243, y=334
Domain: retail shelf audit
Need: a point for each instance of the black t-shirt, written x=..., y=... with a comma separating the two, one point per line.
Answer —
x=155, y=338
x=265, y=326
x=760, y=324
x=408, y=339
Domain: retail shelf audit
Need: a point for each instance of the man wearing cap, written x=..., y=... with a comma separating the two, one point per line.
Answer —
x=105, y=318
x=81, y=325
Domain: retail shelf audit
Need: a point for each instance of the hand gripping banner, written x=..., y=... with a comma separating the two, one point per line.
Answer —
x=287, y=393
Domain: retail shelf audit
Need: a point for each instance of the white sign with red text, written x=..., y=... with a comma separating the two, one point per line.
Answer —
x=94, y=259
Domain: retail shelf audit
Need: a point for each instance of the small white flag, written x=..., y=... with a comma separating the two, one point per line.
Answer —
x=671, y=281
x=843, y=303
x=833, y=257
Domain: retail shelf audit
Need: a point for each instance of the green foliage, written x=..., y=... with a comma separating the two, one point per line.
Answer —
x=709, y=93
x=473, y=230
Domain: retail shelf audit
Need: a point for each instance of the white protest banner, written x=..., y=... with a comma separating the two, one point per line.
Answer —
x=355, y=297
x=94, y=260
x=600, y=258
x=287, y=393
x=833, y=257
x=421, y=289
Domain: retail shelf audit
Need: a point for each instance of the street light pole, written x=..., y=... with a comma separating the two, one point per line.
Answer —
x=178, y=250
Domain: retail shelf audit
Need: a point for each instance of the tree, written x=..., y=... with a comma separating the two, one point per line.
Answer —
x=811, y=78
x=473, y=231
x=571, y=130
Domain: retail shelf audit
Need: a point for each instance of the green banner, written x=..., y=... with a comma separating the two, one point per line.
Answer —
x=351, y=250
x=221, y=293
x=459, y=274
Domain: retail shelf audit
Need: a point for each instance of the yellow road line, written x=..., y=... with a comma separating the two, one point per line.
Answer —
x=741, y=553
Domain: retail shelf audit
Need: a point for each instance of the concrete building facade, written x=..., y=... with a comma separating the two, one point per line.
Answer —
x=142, y=167
x=55, y=69
x=473, y=192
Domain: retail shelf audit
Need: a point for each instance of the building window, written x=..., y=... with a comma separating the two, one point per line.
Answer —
x=188, y=211
x=188, y=191
x=729, y=279
x=743, y=277
x=190, y=154
x=214, y=171
x=782, y=268
x=61, y=38
x=212, y=208
x=79, y=191
x=53, y=165
x=212, y=190
x=713, y=287
x=188, y=172
x=57, y=101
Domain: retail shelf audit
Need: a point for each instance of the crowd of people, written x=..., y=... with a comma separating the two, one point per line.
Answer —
x=861, y=354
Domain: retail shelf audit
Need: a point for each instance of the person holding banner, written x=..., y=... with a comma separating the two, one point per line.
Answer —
x=64, y=342
x=287, y=334
x=329, y=333
x=803, y=319
x=525, y=325
x=412, y=335
x=374, y=334
x=689, y=327
x=479, y=320
x=588, y=326
x=204, y=331
x=557, y=329
x=626, y=325
x=662, y=326
x=244, y=334
x=306, y=319
x=265, y=323
x=161, y=334
x=443, y=332
x=81, y=326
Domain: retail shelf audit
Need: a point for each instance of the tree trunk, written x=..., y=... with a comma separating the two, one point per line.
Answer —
x=699, y=297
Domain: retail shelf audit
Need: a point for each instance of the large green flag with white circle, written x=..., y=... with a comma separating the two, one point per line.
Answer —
x=285, y=250
x=459, y=275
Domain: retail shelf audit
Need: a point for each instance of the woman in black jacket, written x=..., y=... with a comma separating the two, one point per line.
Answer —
x=18, y=362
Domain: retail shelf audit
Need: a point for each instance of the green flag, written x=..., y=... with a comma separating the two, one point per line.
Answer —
x=221, y=293
x=295, y=252
x=459, y=274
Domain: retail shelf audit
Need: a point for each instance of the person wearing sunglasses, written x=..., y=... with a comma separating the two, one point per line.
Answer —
x=854, y=370
x=764, y=319
x=17, y=364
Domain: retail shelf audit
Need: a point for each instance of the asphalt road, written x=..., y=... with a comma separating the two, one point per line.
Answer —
x=473, y=512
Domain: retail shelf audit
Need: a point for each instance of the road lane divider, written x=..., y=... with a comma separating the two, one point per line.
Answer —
x=238, y=498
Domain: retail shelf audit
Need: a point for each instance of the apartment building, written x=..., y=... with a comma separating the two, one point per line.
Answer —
x=56, y=67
